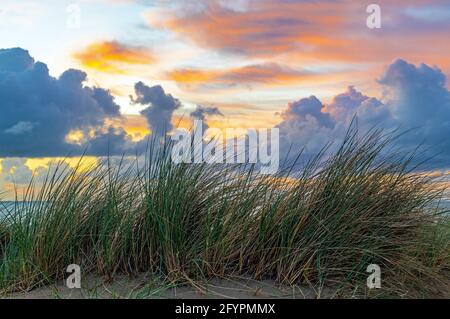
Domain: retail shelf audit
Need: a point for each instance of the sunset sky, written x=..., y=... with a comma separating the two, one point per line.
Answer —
x=131, y=66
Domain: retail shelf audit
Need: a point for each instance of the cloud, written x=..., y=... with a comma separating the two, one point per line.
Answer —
x=299, y=32
x=305, y=124
x=44, y=116
x=160, y=107
x=308, y=107
x=421, y=100
x=271, y=74
x=215, y=25
x=20, y=128
x=420, y=94
x=418, y=100
x=39, y=111
x=15, y=60
x=201, y=112
x=111, y=56
x=15, y=171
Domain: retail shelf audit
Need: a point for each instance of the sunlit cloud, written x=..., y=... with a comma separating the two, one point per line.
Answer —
x=312, y=31
x=112, y=56
x=264, y=28
x=269, y=74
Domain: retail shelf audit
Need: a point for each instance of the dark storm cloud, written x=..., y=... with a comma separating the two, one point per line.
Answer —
x=160, y=107
x=38, y=111
x=201, y=112
x=15, y=60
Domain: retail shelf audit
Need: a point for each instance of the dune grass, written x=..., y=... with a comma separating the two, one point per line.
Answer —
x=321, y=225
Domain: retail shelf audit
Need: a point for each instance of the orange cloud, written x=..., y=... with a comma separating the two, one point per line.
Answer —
x=110, y=56
x=267, y=28
x=312, y=31
x=269, y=74
x=192, y=76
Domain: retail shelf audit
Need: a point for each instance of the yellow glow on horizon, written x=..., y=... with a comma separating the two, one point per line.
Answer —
x=83, y=163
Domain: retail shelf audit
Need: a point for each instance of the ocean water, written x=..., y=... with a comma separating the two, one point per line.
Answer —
x=6, y=207
x=445, y=203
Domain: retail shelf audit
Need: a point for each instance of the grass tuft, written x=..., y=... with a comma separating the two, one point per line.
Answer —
x=321, y=225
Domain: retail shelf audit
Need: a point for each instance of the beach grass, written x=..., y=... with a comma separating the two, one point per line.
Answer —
x=319, y=222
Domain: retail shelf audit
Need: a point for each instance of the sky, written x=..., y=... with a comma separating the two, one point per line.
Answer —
x=104, y=74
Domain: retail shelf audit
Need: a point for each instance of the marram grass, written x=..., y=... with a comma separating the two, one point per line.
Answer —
x=321, y=225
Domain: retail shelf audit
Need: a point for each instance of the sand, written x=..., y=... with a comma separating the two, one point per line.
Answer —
x=142, y=287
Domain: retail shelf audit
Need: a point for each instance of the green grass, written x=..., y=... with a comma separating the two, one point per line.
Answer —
x=320, y=226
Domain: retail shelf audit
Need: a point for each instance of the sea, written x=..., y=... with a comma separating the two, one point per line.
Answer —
x=7, y=207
